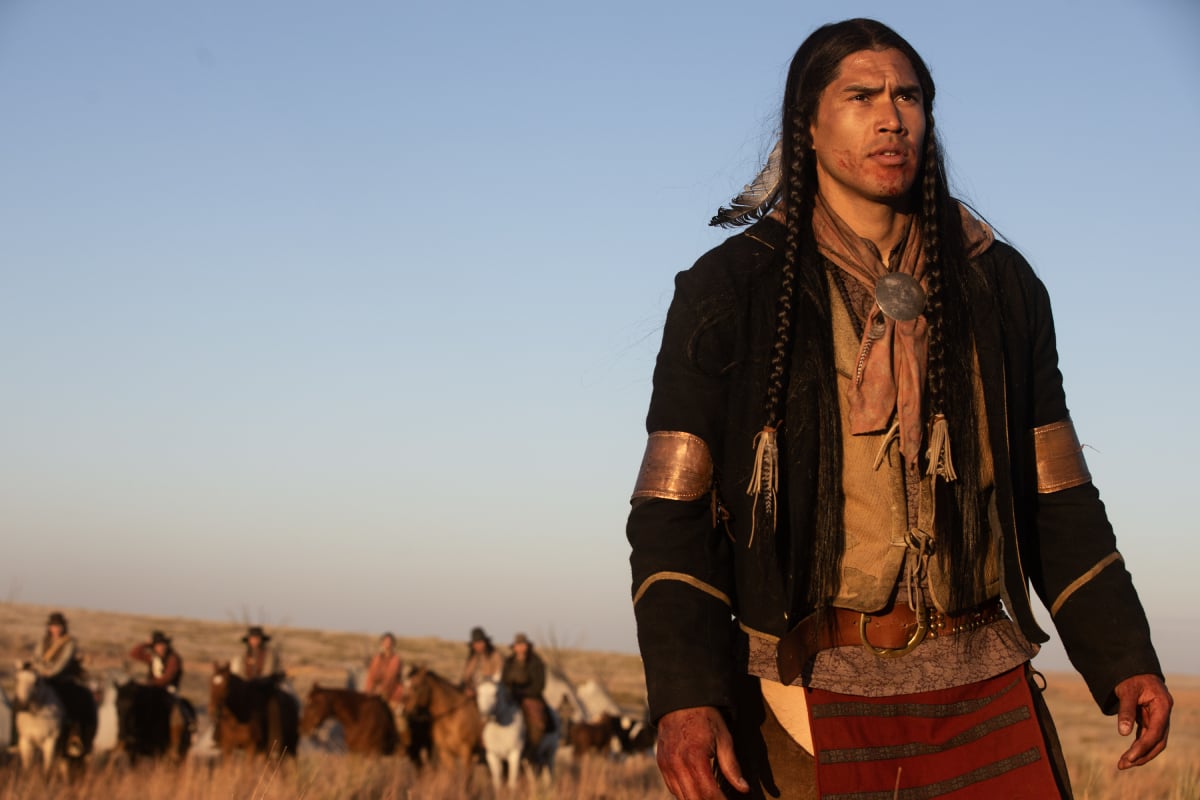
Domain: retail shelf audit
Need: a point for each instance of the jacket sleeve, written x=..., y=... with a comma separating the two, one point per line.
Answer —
x=681, y=561
x=141, y=652
x=1078, y=571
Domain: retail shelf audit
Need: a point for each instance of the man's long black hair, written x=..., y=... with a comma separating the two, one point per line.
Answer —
x=961, y=535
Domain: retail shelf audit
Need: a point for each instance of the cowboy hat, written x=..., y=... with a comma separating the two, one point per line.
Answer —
x=255, y=630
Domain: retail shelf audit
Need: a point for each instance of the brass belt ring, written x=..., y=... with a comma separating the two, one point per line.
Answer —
x=893, y=652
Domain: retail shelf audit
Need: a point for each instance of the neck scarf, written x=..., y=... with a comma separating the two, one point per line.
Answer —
x=893, y=356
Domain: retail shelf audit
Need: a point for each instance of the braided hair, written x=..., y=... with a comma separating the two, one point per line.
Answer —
x=961, y=535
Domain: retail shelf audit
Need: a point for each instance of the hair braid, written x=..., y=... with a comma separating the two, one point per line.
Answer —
x=931, y=236
x=962, y=535
x=794, y=203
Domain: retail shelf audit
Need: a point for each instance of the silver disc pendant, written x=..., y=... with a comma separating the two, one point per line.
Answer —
x=900, y=296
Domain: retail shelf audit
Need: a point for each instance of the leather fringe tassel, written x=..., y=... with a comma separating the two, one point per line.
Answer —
x=940, y=463
x=765, y=479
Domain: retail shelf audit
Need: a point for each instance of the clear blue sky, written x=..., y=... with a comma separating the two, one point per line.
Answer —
x=343, y=314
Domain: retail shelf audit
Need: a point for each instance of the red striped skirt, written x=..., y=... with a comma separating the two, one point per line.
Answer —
x=982, y=740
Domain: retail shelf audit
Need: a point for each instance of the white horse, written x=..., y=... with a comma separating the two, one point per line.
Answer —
x=503, y=730
x=106, y=718
x=40, y=716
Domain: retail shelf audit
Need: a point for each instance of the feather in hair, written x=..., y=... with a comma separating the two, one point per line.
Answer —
x=756, y=197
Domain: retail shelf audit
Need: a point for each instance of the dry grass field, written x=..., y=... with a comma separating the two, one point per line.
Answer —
x=1090, y=740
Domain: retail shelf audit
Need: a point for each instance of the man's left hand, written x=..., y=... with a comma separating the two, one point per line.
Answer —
x=1145, y=704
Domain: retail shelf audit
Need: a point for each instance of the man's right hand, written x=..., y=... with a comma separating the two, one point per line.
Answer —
x=688, y=741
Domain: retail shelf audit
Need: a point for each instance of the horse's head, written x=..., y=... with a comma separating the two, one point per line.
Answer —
x=418, y=691
x=487, y=697
x=28, y=687
x=128, y=727
x=218, y=689
x=126, y=697
x=316, y=709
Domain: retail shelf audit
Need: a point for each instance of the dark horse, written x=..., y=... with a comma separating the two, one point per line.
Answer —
x=367, y=722
x=254, y=715
x=151, y=723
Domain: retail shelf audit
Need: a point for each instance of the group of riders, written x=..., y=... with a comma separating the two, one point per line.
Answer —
x=522, y=673
x=57, y=660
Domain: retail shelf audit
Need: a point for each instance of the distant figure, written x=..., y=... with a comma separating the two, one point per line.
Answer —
x=165, y=670
x=57, y=660
x=257, y=660
x=484, y=661
x=384, y=674
x=524, y=674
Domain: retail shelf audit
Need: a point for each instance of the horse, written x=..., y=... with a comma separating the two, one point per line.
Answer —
x=105, y=695
x=455, y=724
x=367, y=723
x=56, y=718
x=588, y=737
x=503, y=733
x=254, y=715
x=639, y=736
x=150, y=723
x=39, y=719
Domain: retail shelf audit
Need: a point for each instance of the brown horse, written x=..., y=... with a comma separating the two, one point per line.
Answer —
x=367, y=722
x=254, y=715
x=594, y=737
x=454, y=721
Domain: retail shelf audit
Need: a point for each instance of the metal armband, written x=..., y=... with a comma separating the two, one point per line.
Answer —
x=1060, y=463
x=677, y=466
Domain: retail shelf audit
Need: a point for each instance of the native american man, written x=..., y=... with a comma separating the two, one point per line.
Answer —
x=860, y=458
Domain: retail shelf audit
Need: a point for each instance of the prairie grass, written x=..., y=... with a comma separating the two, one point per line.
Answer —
x=321, y=776
x=1092, y=745
x=1089, y=739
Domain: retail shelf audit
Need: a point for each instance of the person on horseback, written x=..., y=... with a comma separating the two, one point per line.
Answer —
x=524, y=674
x=165, y=670
x=484, y=661
x=57, y=660
x=385, y=672
x=257, y=660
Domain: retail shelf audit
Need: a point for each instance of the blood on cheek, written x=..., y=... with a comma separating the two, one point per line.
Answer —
x=850, y=168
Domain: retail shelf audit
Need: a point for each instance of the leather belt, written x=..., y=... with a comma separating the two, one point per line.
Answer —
x=891, y=633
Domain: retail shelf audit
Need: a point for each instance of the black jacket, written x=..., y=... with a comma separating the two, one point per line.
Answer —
x=704, y=591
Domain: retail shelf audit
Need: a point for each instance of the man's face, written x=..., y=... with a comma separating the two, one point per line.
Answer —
x=254, y=641
x=479, y=645
x=869, y=130
x=520, y=649
x=56, y=630
x=161, y=648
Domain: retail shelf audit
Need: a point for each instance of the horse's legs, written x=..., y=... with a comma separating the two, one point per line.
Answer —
x=49, y=748
x=178, y=736
x=495, y=768
x=514, y=767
